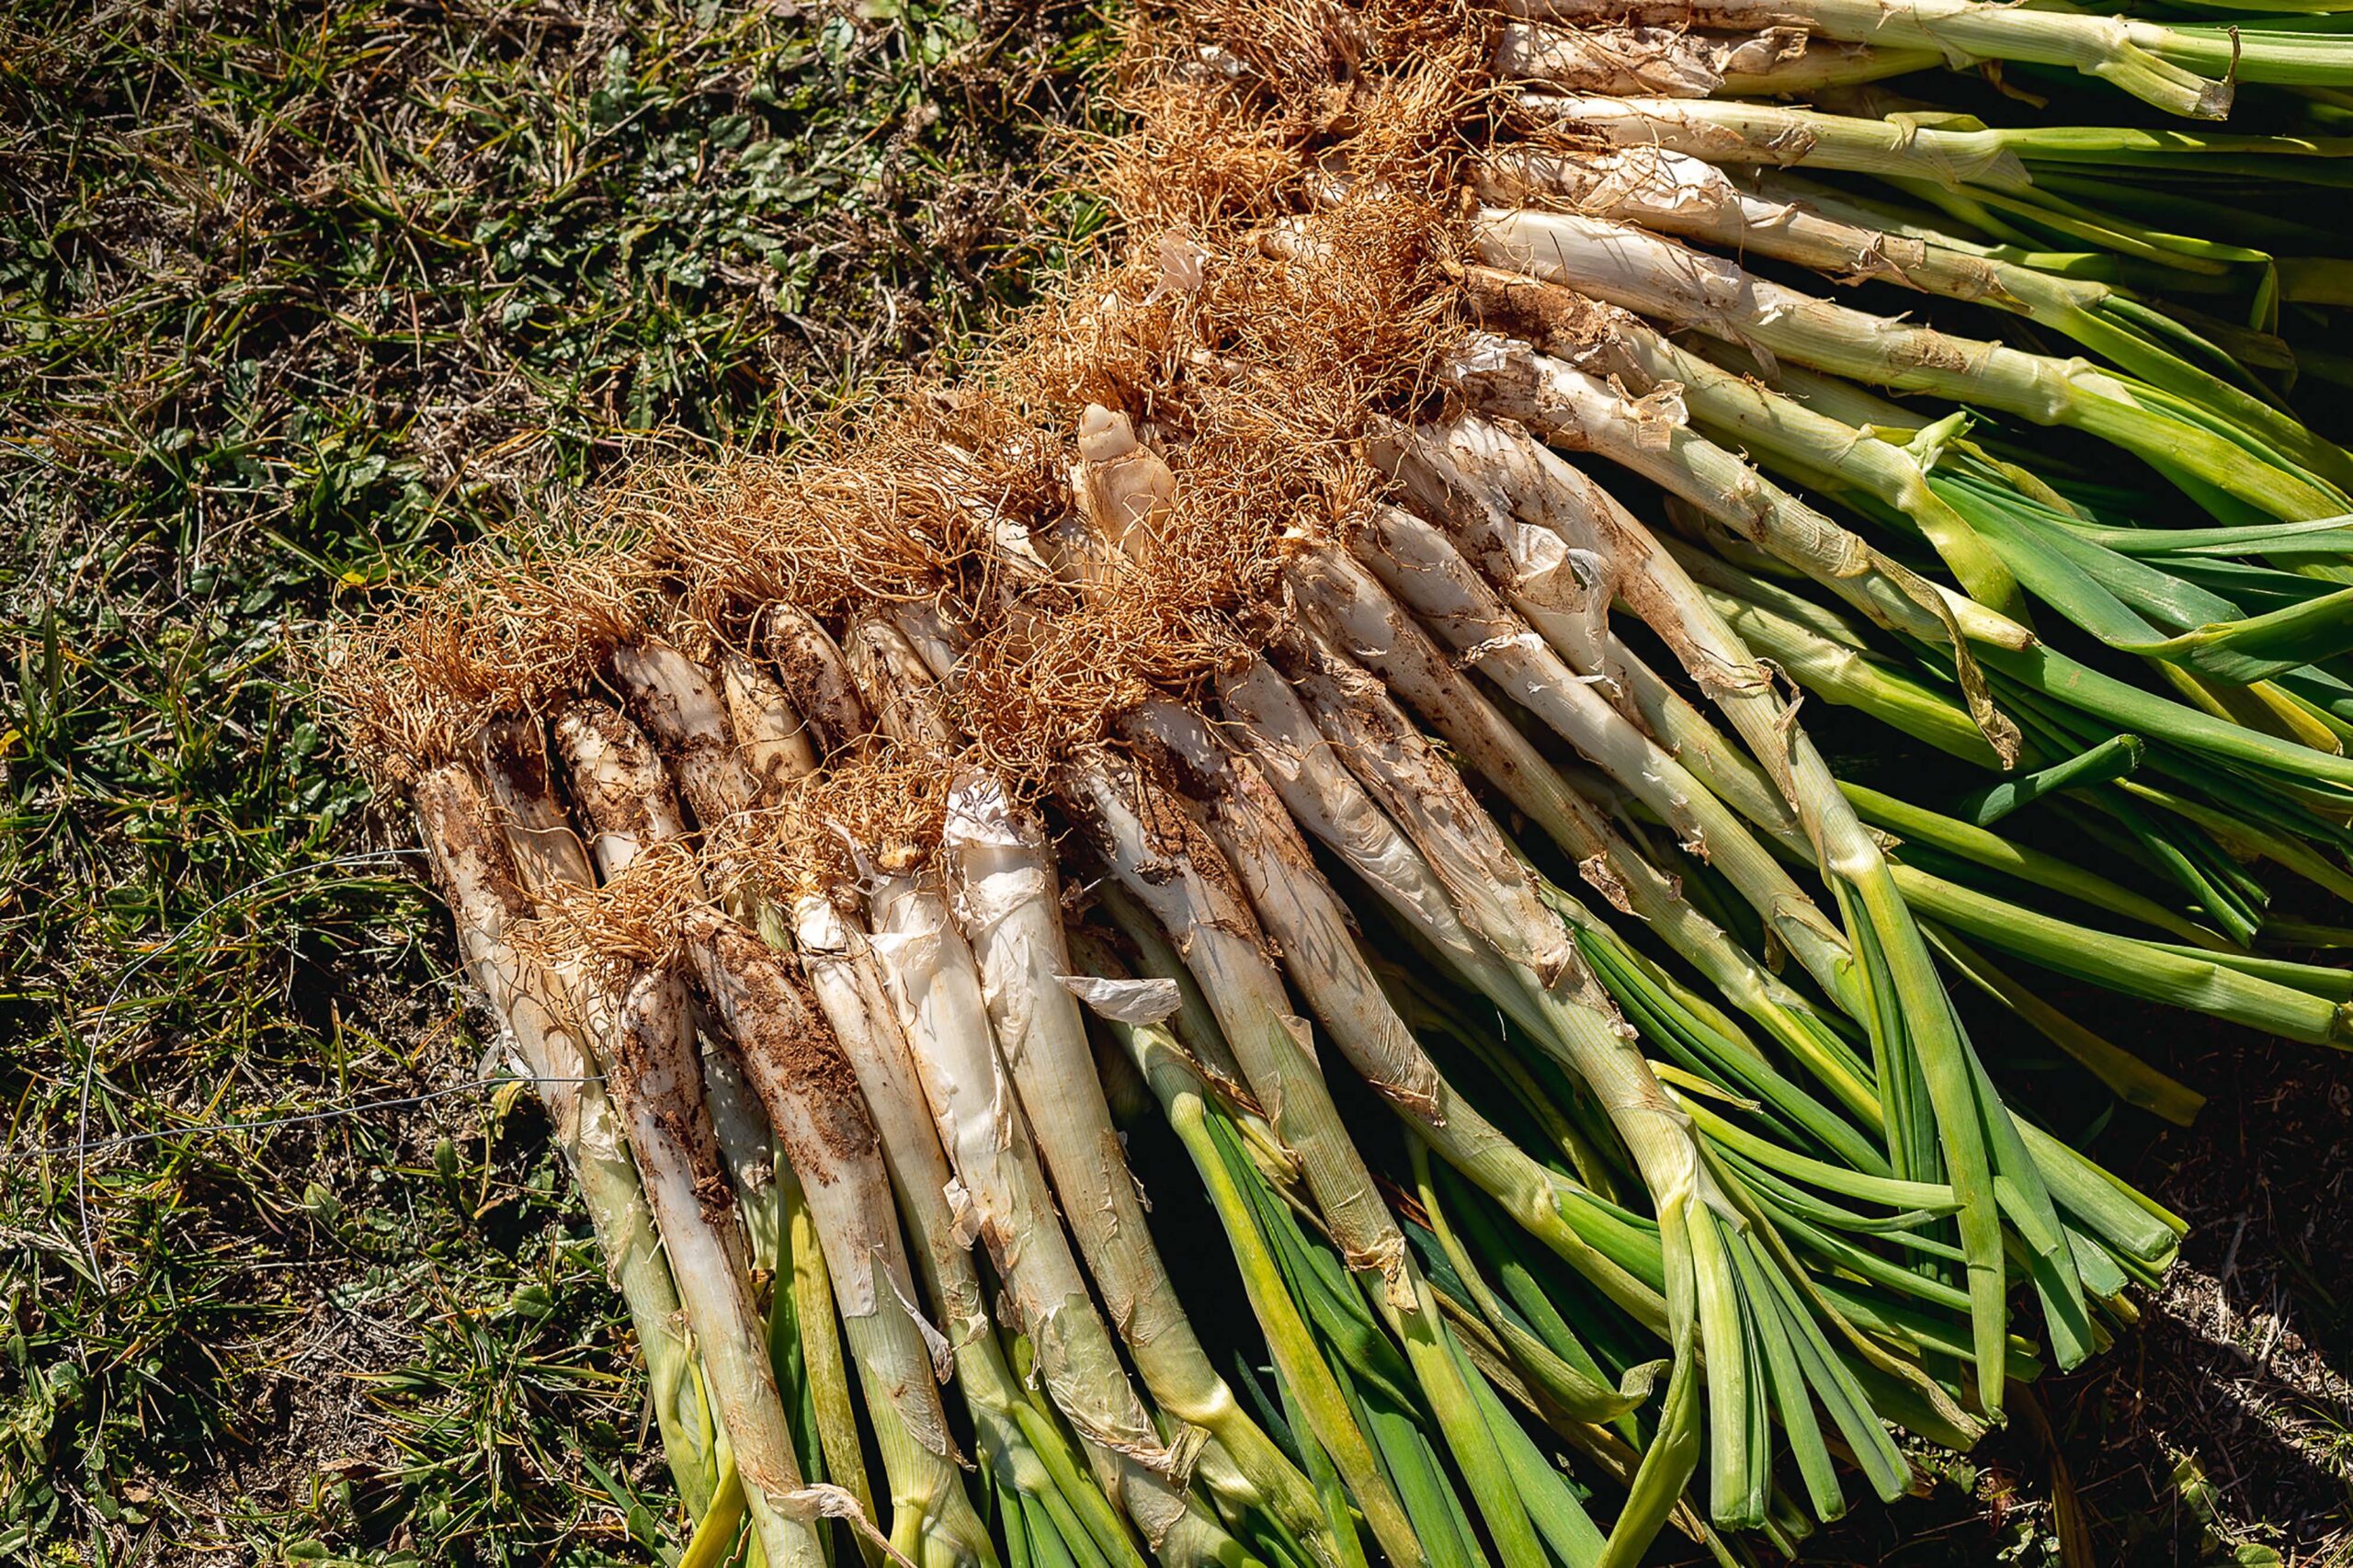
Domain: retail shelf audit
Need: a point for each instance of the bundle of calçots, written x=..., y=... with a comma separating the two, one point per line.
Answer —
x=1335, y=682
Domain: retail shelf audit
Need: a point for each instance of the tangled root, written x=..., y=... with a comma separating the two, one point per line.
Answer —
x=635, y=922
x=889, y=804
x=1288, y=188
x=520, y=622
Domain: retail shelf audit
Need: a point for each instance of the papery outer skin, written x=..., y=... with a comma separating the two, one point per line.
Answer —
x=1126, y=1001
x=937, y=997
x=828, y=1134
x=661, y=1098
x=1364, y=730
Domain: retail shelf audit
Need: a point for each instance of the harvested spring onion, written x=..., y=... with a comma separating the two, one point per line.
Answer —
x=1432, y=817
x=485, y=894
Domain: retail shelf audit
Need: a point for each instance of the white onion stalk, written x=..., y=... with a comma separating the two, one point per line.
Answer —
x=1355, y=820
x=1793, y=220
x=1671, y=62
x=815, y=677
x=1659, y=277
x=768, y=1198
x=814, y=1102
x=1022, y=1441
x=891, y=664
x=1304, y=918
x=1625, y=350
x=549, y=853
x=1902, y=141
x=1545, y=491
x=939, y=643
x=777, y=740
x=1565, y=594
x=1702, y=1302
x=1321, y=797
x=682, y=707
x=898, y=684
x=629, y=801
x=1166, y=862
x=1484, y=880
x=2152, y=62
x=657, y=1080
x=1467, y=494
x=1351, y=609
x=1670, y=192
x=1839, y=673
x=1649, y=436
x=1430, y=870
x=766, y=722
x=1845, y=401
x=1173, y=1075
x=1119, y=484
x=1417, y=563
x=848, y=978
x=486, y=898
x=1196, y=1028
x=619, y=766
x=627, y=798
x=1004, y=1200
x=728, y=743
x=619, y=784
x=1940, y=1114
x=777, y=745
x=1866, y=459
x=1163, y=857
x=1009, y=904
x=1427, y=797
x=1354, y=614
x=1777, y=134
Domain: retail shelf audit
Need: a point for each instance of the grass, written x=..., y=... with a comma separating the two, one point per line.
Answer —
x=293, y=298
